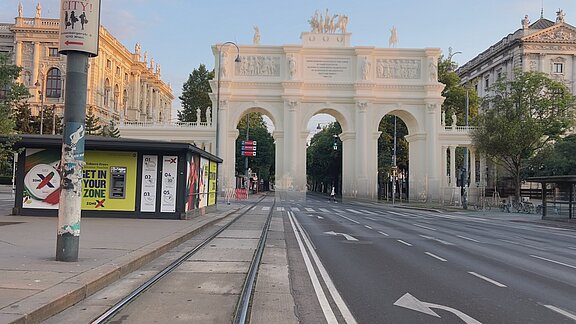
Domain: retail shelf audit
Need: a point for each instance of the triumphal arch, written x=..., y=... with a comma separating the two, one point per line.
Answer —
x=358, y=85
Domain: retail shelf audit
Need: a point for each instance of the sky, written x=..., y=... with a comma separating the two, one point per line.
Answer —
x=179, y=34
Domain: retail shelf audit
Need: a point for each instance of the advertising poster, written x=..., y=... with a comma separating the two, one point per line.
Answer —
x=203, y=182
x=149, y=181
x=192, y=183
x=108, y=180
x=169, y=181
x=212, y=183
x=41, y=179
x=79, y=26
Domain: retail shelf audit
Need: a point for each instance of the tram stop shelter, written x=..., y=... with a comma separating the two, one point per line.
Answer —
x=558, y=201
x=127, y=178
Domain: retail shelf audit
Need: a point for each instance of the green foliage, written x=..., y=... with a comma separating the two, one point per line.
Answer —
x=13, y=94
x=196, y=94
x=110, y=130
x=455, y=94
x=323, y=163
x=386, y=146
x=263, y=163
x=520, y=117
x=92, y=125
x=554, y=159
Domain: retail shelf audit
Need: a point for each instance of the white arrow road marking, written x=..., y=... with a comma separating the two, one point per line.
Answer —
x=295, y=209
x=320, y=217
x=324, y=210
x=265, y=208
x=280, y=208
x=405, y=243
x=309, y=209
x=436, y=239
x=348, y=237
x=354, y=211
x=411, y=302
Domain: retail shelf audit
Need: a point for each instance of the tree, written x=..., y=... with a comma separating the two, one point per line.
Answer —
x=520, y=117
x=323, y=161
x=93, y=126
x=196, y=94
x=263, y=163
x=554, y=159
x=110, y=130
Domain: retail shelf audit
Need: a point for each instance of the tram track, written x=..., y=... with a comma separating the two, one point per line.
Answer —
x=242, y=307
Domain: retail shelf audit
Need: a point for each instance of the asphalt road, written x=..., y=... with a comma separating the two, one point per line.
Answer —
x=393, y=265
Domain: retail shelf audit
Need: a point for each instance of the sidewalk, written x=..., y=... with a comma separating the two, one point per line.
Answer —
x=33, y=286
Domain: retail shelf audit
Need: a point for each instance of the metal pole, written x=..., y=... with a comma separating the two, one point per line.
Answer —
x=69, y=212
x=246, y=157
x=465, y=177
x=54, y=120
x=217, y=153
x=394, y=166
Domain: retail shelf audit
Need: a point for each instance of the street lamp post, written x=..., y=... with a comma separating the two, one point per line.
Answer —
x=218, y=89
x=42, y=96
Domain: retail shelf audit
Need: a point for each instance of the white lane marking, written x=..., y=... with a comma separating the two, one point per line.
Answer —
x=320, y=217
x=561, y=311
x=436, y=239
x=467, y=238
x=523, y=244
x=309, y=209
x=296, y=209
x=425, y=227
x=368, y=226
x=436, y=257
x=395, y=213
x=324, y=304
x=265, y=208
x=383, y=233
x=370, y=218
x=368, y=212
x=344, y=311
x=572, y=247
x=280, y=208
x=348, y=218
x=553, y=261
x=354, y=211
x=492, y=281
x=405, y=243
x=324, y=210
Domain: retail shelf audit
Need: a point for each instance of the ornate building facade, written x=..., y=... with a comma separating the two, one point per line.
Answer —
x=545, y=46
x=122, y=85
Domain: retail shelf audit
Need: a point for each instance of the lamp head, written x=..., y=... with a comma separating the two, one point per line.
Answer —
x=37, y=84
x=237, y=60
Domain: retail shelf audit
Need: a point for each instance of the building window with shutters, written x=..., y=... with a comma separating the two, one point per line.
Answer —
x=557, y=68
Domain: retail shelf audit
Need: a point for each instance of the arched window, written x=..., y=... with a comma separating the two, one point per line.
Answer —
x=124, y=98
x=54, y=83
x=107, y=93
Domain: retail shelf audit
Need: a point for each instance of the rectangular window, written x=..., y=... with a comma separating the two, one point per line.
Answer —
x=126, y=77
x=108, y=64
x=117, y=70
x=558, y=68
x=486, y=83
x=53, y=52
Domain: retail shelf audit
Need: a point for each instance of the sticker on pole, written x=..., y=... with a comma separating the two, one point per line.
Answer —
x=79, y=26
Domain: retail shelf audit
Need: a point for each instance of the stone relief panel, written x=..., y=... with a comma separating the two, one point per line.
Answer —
x=560, y=34
x=258, y=65
x=398, y=69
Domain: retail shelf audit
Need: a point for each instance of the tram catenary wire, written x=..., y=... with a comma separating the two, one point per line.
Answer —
x=245, y=297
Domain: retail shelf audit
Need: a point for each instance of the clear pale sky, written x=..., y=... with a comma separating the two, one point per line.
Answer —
x=178, y=33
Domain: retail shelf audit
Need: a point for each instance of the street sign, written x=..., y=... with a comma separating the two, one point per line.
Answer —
x=79, y=26
x=249, y=142
x=248, y=153
x=248, y=148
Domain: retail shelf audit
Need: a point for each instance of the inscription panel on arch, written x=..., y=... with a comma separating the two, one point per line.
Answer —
x=328, y=68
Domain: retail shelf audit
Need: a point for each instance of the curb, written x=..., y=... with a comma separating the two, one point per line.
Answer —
x=57, y=298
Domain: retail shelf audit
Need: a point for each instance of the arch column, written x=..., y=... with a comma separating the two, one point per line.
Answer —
x=453, y=166
x=361, y=155
x=418, y=178
x=443, y=165
x=433, y=158
x=472, y=167
x=349, y=158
